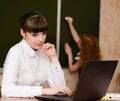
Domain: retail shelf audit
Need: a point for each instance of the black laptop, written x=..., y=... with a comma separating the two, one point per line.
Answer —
x=93, y=82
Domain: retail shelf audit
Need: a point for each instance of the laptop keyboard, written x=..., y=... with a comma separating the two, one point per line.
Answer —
x=60, y=94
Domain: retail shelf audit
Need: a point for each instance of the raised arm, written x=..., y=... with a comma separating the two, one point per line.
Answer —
x=74, y=33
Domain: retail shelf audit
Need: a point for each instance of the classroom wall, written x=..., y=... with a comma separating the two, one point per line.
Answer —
x=110, y=36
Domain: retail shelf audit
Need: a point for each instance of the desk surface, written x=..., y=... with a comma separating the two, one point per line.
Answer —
x=30, y=99
x=18, y=99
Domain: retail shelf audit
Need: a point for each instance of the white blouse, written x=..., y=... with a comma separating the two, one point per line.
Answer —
x=25, y=70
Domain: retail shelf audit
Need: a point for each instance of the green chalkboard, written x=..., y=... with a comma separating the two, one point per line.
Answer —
x=84, y=12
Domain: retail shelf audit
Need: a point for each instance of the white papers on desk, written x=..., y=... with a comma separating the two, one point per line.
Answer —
x=112, y=96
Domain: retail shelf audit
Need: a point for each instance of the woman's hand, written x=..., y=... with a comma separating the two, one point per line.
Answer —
x=55, y=90
x=69, y=19
x=50, y=51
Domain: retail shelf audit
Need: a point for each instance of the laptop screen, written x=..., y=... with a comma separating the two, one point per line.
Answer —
x=95, y=79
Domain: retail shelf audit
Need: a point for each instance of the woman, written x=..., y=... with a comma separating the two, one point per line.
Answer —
x=32, y=62
x=88, y=45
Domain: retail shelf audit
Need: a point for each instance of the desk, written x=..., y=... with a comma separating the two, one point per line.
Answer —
x=18, y=99
x=30, y=99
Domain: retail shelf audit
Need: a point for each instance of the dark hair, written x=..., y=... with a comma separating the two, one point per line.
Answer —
x=33, y=21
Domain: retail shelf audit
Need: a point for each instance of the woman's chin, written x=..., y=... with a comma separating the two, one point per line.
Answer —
x=37, y=48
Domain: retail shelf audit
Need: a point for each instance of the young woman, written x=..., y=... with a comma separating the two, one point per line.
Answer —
x=32, y=62
x=88, y=45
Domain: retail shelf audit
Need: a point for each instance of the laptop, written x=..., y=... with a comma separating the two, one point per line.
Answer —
x=93, y=82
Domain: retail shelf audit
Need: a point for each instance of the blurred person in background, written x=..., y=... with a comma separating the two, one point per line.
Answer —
x=87, y=44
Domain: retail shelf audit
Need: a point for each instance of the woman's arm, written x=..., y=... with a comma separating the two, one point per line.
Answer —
x=72, y=67
x=68, y=51
x=10, y=86
x=72, y=29
x=56, y=75
x=56, y=78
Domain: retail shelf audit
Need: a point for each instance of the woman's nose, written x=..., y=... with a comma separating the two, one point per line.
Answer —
x=40, y=37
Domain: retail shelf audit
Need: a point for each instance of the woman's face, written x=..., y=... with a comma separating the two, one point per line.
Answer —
x=35, y=40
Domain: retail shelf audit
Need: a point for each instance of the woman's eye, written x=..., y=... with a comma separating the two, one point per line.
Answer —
x=42, y=34
x=34, y=34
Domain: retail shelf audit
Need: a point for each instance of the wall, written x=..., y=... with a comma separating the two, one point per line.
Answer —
x=110, y=36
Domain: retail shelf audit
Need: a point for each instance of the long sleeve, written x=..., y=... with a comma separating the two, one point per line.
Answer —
x=17, y=91
x=56, y=76
x=10, y=85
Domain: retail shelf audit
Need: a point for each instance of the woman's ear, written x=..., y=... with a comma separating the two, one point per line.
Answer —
x=22, y=32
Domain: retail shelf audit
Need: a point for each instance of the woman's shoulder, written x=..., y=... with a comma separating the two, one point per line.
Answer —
x=15, y=48
x=22, y=45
